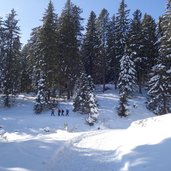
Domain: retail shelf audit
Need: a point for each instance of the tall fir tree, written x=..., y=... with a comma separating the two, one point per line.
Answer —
x=48, y=45
x=149, y=48
x=10, y=74
x=122, y=26
x=2, y=52
x=43, y=55
x=89, y=48
x=35, y=57
x=102, y=60
x=37, y=69
x=26, y=79
x=112, y=71
x=165, y=40
x=127, y=81
x=69, y=46
x=135, y=44
x=159, y=99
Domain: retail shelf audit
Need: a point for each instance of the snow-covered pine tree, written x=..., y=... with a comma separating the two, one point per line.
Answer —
x=10, y=75
x=85, y=99
x=165, y=48
x=35, y=57
x=123, y=105
x=158, y=94
x=135, y=44
x=43, y=54
x=121, y=31
x=127, y=81
x=127, y=75
x=159, y=99
x=40, y=97
x=36, y=67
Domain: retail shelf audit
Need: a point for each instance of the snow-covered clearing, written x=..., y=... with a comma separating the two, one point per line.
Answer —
x=29, y=142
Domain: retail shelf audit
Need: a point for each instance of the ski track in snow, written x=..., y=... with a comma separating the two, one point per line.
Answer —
x=62, y=154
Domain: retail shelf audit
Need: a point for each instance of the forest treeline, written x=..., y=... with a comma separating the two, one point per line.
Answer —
x=62, y=57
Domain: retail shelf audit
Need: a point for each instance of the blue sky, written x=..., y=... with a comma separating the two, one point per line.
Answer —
x=30, y=12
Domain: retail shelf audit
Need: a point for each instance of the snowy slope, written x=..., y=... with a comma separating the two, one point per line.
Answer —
x=140, y=142
x=144, y=146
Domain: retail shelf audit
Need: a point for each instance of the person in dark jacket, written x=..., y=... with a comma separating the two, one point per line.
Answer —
x=62, y=112
x=52, y=112
x=67, y=112
x=59, y=112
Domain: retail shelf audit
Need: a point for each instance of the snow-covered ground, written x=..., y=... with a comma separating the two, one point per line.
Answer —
x=29, y=142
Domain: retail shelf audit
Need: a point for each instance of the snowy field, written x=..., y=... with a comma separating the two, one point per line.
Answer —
x=29, y=142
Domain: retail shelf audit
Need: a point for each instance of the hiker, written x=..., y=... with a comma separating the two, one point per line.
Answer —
x=134, y=105
x=67, y=112
x=62, y=112
x=59, y=112
x=52, y=112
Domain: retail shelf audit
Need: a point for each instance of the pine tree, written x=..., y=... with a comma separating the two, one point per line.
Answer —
x=40, y=97
x=135, y=44
x=159, y=94
x=48, y=45
x=35, y=57
x=43, y=55
x=149, y=48
x=165, y=46
x=112, y=71
x=2, y=52
x=89, y=48
x=123, y=103
x=25, y=72
x=102, y=61
x=149, y=41
x=127, y=79
x=37, y=60
x=69, y=46
x=122, y=26
x=165, y=40
x=85, y=99
x=127, y=76
x=11, y=59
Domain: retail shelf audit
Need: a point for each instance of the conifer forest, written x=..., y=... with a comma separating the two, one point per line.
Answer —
x=65, y=59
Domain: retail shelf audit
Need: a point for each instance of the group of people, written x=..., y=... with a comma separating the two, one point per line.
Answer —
x=61, y=112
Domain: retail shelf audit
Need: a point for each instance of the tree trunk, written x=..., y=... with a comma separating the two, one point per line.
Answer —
x=140, y=82
x=164, y=104
x=68, y=94
x=115, y=83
